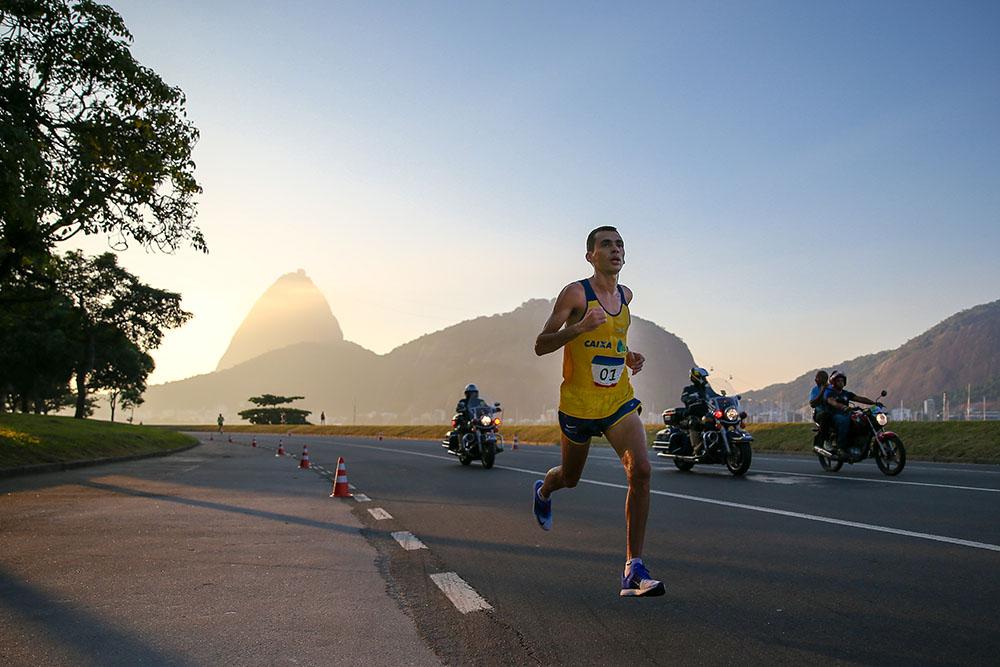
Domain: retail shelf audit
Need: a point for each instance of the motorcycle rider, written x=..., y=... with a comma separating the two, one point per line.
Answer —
x=695, y=398
x=837, y=400
x=466, y=410
x=817, y=401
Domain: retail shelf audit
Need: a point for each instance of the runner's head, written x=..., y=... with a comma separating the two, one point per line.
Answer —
x=606, y=249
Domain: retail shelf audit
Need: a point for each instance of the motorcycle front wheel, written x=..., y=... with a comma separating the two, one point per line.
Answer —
x=739, y=457
x=683, y=466
x=895, y=459
x=489, y=454
x=830, y=465
x=464, y=459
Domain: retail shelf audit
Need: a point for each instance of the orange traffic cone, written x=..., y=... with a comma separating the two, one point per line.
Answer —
x=380, y=436
x=253, y=443
x=281, y=448
x=515, y=441
x=340, y=487
x=304, y=461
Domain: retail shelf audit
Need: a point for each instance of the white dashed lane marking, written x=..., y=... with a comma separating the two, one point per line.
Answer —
x=408, y=540
x=461, y=594
x=362, y=498
x=379, y=514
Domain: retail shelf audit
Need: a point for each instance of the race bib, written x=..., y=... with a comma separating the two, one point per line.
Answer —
x=607, y=370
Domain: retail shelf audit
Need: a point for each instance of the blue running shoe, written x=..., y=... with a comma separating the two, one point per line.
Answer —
x=542, y=508
x=637, y=582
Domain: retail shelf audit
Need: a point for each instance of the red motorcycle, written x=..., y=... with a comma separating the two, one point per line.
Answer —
x=867, y=438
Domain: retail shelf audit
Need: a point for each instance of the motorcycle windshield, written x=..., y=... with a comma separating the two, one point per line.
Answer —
x=724, y=402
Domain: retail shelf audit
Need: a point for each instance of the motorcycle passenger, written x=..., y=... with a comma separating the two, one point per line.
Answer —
x=695, y=398
x=837, y=400
x=817, y=401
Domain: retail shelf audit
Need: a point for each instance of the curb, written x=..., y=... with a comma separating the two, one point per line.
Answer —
x=40, y=468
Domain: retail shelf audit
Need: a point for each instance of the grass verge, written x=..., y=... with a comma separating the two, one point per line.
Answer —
x=970, y=442
x=27, y=440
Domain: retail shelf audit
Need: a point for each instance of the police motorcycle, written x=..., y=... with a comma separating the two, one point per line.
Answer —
x=476, y=436
x=723, y=438
x=867, y=438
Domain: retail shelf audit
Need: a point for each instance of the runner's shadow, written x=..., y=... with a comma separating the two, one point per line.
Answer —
x=45, y=620
x=221, y=507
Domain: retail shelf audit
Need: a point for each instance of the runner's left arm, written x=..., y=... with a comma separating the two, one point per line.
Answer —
x=633, y=360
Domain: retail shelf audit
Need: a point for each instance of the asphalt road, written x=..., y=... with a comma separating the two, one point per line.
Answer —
x=220, y=555
x=789, y=564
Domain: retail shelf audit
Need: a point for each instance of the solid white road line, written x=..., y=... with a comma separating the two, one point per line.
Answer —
x=379, y=514
x=461, y=594
x=725, y=503
x=408, y=540
x=362, y=498
x=879, y=481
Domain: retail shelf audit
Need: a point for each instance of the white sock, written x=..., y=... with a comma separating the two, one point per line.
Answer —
x=540, y=496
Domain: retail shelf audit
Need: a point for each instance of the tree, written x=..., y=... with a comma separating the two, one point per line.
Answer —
x=271, y=399
x=120, y=368
x=269, y=413
x=91, y=141
x=36, y=357
x=113, y=310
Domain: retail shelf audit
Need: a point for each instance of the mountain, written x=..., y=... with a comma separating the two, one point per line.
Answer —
x=291, y=311
x=418, y=382
x=962, y=350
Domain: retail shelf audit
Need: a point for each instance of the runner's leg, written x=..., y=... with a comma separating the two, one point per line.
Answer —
x=566, y=475
x=628, y=437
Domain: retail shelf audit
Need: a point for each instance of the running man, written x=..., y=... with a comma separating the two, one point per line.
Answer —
x=590, y=322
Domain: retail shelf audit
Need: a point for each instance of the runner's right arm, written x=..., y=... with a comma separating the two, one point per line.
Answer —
x=569, y=305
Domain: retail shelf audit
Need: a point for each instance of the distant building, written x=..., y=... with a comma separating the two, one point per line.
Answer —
x=901, y=414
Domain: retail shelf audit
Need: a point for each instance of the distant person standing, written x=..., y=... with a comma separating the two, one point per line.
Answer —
x=220, y=420
x=590, y=322
x=322, y=419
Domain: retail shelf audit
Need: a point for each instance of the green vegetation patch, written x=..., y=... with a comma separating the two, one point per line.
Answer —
x=972, y=442
x=35, y=439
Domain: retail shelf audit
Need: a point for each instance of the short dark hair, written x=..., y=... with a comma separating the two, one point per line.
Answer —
x=822, y=374
x=592, y=236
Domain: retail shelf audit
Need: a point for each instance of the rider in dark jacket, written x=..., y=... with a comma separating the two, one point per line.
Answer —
x=838, y=403
x=695, y=398
x=466, y=411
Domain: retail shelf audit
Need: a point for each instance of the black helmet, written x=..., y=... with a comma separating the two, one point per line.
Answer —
x=471, y=389
x=698, y=375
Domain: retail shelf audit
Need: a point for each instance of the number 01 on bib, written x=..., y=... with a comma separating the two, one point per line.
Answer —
x=607, y=371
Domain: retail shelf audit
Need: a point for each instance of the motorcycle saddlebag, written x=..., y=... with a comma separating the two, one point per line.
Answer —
x=674, y=416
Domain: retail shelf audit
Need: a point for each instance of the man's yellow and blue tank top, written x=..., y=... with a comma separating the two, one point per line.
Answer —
x=595, y=378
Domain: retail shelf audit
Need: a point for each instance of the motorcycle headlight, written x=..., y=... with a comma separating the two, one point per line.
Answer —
x=485, y=420
x=732, y=414
x=882, y=419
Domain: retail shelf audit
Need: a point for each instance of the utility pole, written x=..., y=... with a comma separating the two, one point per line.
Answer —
x=354, y=420
x=968, y=402
x=944, y=406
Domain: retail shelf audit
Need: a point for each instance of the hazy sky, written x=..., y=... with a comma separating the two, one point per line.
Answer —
x=797, y=183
